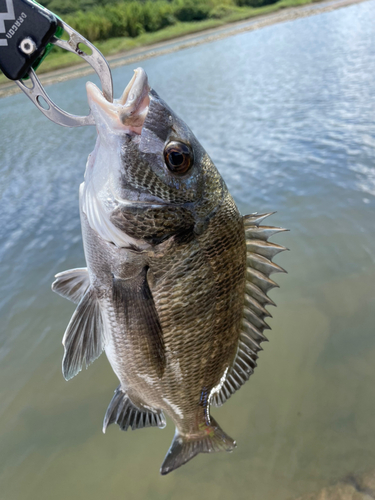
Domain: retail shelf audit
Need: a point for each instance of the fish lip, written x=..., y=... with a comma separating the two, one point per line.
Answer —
x=126, y=114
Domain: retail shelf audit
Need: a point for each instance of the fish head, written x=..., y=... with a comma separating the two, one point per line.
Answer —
x=148, y=176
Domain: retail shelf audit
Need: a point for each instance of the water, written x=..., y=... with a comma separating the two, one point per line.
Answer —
x=287, y=114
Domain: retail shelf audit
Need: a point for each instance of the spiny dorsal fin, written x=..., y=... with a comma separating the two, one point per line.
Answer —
x=83, y=339
x=262, y=232
x=124, y=413
x=259, y=261
x=262, y=247
x=72, y=284
x=254, y=219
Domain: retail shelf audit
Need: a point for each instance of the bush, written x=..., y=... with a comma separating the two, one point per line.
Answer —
x=158, y=15
x=68, y=6
x=221, y=11
x=131, y=18
x=123, y=19
x=255, y=3
x=92, y=24
x=191, y=10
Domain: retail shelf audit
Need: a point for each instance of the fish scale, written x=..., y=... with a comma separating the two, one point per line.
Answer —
x=175, y=289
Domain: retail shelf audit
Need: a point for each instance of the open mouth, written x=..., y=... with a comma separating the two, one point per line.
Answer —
x=128, y=113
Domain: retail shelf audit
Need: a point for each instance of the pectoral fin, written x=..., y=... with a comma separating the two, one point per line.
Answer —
x=133, y=298
x=83, y=338
x=72, y=284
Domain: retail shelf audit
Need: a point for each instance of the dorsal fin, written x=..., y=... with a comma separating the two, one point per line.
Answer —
x=259, y=261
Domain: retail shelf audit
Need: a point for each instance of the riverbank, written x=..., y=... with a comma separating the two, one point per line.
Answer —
x=120, y=51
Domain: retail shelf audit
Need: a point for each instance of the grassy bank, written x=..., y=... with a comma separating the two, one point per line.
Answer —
x=59, y=59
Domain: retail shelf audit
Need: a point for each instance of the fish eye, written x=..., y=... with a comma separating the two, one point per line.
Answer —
x=178, y=157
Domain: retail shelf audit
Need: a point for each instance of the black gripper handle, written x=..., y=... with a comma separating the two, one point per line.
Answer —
x=25, y=30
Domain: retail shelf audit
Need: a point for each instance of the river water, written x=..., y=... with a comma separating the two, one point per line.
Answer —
x=287, y=114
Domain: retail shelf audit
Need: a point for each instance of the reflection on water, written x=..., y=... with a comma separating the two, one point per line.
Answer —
x=287, y=115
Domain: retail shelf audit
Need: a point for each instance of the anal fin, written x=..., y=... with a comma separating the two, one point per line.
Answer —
x=123, y=412
x=72, y=284
x=83, y=339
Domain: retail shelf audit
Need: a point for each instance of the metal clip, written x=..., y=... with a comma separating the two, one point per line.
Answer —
x=96, y=60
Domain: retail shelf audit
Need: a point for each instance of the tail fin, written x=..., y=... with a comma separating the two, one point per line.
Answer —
x=184, y=448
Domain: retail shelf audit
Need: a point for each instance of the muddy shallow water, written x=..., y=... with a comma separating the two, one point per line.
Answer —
x=287, y=114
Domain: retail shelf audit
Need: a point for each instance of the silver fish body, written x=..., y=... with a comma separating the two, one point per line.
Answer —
x=176, y=282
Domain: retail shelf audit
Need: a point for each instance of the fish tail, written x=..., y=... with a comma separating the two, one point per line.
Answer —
x=185, y=447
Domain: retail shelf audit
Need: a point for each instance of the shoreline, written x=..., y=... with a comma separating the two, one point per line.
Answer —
x=187, y=41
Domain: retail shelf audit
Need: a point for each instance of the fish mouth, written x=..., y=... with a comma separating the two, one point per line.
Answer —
x=126, y=114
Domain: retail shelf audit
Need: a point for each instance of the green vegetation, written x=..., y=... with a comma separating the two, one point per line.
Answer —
x=117, y=27
x=133, y=18
x=191, y=9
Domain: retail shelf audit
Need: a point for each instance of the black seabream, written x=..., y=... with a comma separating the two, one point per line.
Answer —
x=175, y=289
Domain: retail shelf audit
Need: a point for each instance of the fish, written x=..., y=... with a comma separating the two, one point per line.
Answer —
x=175, y=288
